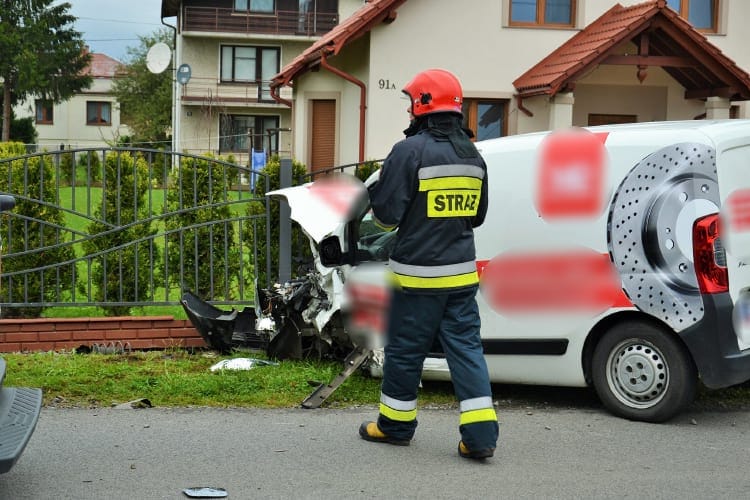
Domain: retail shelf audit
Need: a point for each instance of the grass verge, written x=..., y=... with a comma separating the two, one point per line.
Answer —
x=179, y=378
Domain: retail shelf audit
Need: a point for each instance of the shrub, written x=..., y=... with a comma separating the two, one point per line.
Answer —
x=200, y=230
x=90, y=167
x=67, y=169
x=124, y=235
x=36, y=228
x=23, y=130
x=364, y=170
x=300, y=246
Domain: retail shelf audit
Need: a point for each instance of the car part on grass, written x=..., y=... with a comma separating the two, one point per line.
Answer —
x=136, y=404
x=116, y=347
x=241, y=364
x=323, y=391
x=642, y=372
x=205, y=492
x=221, y=330
x=650, y=230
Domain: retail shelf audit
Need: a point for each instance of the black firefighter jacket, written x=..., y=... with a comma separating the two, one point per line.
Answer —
x=433, y=188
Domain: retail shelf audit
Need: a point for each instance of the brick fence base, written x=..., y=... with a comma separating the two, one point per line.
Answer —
x=57, y=334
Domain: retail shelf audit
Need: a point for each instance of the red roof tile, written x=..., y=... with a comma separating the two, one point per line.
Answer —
x=102, y=66
x=362, y=21
x=669, y=35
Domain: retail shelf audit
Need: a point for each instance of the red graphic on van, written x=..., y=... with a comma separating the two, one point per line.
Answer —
x=738, y=210
x=571, y=178
x=574, y=280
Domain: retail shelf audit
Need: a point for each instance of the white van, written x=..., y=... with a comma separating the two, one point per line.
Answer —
x=614, y=257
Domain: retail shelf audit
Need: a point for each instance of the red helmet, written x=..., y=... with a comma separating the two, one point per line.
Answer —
x=434, y=91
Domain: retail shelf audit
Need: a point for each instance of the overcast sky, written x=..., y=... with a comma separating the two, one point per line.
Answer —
x=111, y=26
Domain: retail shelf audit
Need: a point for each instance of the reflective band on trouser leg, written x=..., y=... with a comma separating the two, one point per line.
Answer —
x=400, y=411
x=477, y=410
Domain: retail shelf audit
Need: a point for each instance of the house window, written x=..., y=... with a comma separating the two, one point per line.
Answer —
x=98, y=113
x=249, y=64
x=261, y=6
x=44, y=113
x=610, y=119
x=236, y=132
x=487, y=118
x=542, y=12
x=702, y=14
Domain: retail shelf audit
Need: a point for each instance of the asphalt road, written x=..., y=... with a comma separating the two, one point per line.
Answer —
x=544, y=452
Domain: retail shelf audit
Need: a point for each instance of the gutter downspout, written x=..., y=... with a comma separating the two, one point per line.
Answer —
x=362, y=100
x=276, y=97
x=175, y=99
x=519, y=104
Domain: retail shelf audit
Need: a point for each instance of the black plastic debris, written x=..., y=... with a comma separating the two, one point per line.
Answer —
x=135, y=404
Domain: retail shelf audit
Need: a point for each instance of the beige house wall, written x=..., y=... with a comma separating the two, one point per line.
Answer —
x=69, y=126
x=199, y=130
x=323, y=84
x=196, y=124
x=473, y=40
x=477, y=44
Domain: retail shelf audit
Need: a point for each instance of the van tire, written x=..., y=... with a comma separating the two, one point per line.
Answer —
x=642, y=372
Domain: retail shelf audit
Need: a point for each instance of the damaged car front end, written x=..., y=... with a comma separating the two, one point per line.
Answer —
x=305, y=316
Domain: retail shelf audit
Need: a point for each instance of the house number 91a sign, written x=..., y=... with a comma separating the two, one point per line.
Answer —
x=386, y=85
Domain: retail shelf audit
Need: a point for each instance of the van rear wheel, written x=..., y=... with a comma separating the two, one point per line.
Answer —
x=642, y=372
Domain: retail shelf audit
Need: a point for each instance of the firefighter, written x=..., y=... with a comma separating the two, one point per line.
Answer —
x=433, y=188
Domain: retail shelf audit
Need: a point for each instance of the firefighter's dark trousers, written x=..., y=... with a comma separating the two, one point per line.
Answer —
x=414, y=322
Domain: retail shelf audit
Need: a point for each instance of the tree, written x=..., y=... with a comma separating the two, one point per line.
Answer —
x=42, y=55
x=34, y=235
x=200, y=231
x=123, y=242
x=23, y=130
x=256, y=239
x=145, y=98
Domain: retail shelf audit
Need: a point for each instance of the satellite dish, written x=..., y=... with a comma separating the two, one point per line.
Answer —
x=158, y=57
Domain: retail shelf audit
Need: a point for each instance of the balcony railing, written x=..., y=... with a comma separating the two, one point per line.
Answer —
x=203, y=90
x=215, y=19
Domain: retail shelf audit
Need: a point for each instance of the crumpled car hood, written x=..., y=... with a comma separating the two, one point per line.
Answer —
x=323, y=207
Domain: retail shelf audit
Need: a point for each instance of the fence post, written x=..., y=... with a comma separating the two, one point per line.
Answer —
x=285, y=224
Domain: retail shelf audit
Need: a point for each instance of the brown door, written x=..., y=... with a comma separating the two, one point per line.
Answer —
x=323, y=136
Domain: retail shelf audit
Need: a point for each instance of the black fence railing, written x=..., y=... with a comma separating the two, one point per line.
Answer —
x=119, y=228
x=122, y=227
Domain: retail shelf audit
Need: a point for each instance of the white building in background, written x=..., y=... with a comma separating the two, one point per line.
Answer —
x=90, y=118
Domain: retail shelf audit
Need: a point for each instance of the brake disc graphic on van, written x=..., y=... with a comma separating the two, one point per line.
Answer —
x=649, y=230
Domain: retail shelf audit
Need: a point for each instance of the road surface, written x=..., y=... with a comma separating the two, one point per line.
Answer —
x=555, y=452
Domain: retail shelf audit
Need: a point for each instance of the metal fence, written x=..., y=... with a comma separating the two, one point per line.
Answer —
x=124, y=227
x=119, y=228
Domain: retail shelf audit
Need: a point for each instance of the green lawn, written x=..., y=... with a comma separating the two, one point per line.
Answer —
x=81, y=204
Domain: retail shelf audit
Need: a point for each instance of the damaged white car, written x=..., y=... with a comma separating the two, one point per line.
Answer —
x=307, y=316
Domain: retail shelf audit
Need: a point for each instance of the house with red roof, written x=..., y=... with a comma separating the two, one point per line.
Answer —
x=90, y=118
x=525, y=65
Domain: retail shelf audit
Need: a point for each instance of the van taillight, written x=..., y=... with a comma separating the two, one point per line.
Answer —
x=709, y=256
